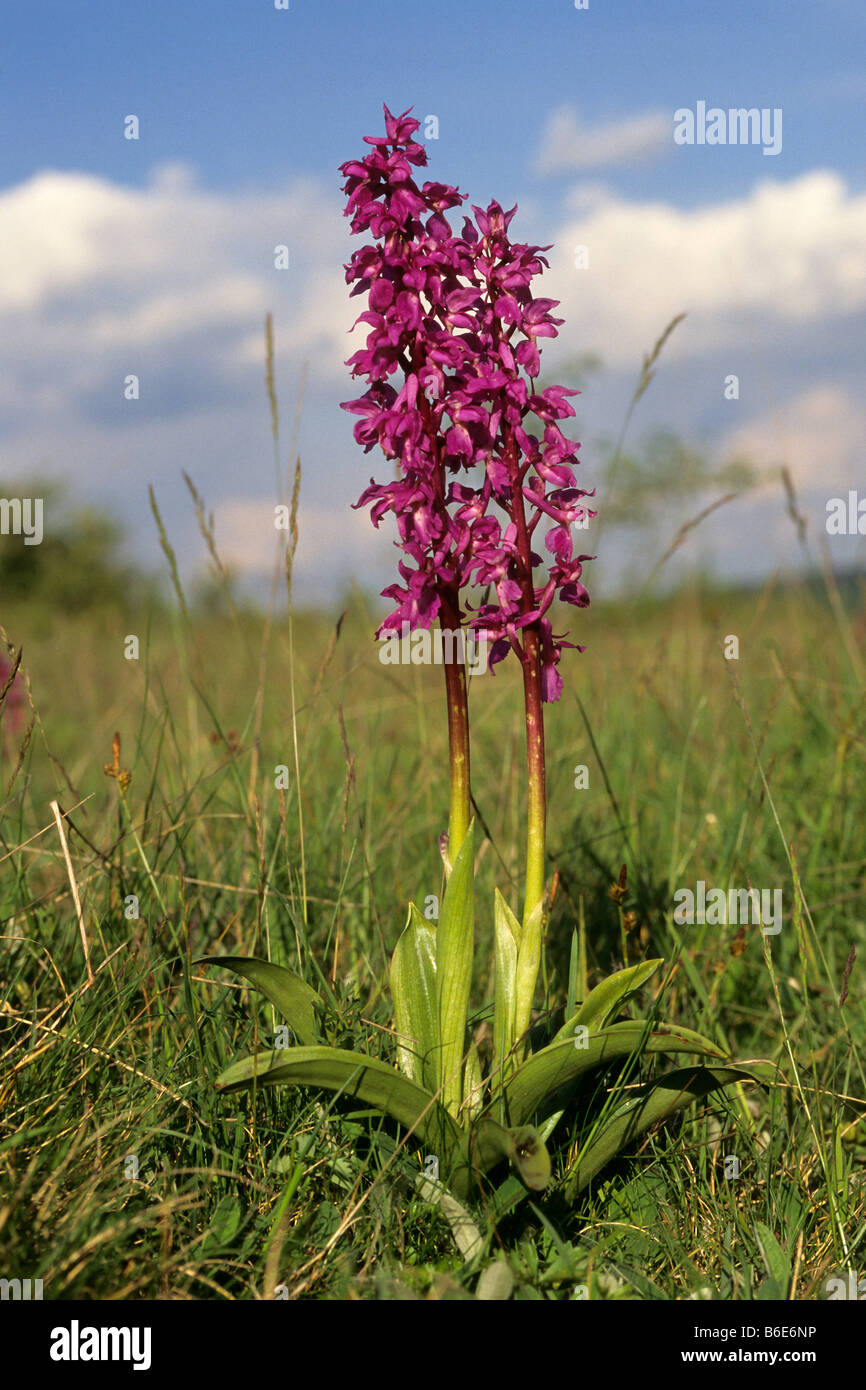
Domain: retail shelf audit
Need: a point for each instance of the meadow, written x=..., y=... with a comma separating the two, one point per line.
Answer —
x=276, y=790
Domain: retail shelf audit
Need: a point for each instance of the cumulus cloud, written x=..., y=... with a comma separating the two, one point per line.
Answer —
x=784, y=255
x=342, y=539
x=172, y=281
x=567, y=146
x=817, y=435
x=102, y=280
x=70, y=231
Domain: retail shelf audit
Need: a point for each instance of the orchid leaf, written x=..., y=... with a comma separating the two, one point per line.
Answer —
x=353, y=1074
x=507, y=938
x=413, y=988
x=473, y=1100
x=776, y=1262
x=526, y=978
x=650, y=1106
x=602, y=1003
x=455, y=936
x=560, y=1062
x=291, y=996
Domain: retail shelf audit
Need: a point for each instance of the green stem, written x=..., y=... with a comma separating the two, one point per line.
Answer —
x=537, y=811
x=460, y=810
x=532, y=928
x=529, y=949
x=531, y=661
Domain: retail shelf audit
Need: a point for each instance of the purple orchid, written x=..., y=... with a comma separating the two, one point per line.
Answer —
x=454, y=318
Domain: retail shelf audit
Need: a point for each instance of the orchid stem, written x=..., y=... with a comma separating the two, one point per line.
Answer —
x=532, y=928
x=458, y=737
x=529, y=950
x=537, y=811
x=533, y=701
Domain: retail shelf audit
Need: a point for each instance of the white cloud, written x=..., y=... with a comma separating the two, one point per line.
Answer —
x=172, y=282
x=817, y=435
x=329, y=538
x=100, y=280
x=567, y=146
x=785, y=255
x=97, y=273
x=231, y=301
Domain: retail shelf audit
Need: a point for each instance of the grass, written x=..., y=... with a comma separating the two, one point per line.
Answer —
x=125, y=1175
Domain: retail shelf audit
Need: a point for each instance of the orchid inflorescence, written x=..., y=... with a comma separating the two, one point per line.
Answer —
x=455, y=316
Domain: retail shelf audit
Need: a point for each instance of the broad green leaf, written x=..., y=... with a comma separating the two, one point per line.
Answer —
x=455, y=940
x=778, y=1264
x=351, y=1073
x=290, y=995
x=600, y=1005
x=413, y=987
x=563, y=1061
x=650, y=1106
x=528, y=961
x=507, y=936
x=473, y=1099
x=771, y=1291
x=522, y=1146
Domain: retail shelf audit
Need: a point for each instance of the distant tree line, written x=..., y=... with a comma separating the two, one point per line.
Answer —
x=79, y=562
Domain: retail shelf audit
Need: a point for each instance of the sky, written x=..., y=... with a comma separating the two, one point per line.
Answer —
x=155, y=256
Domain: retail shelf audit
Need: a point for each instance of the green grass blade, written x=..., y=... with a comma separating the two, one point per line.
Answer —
x=473, y=1087
x=572, y=995
x=466, y=1235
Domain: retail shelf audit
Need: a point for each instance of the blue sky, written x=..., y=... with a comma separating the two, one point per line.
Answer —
x=247, y=93
x=155, y=256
